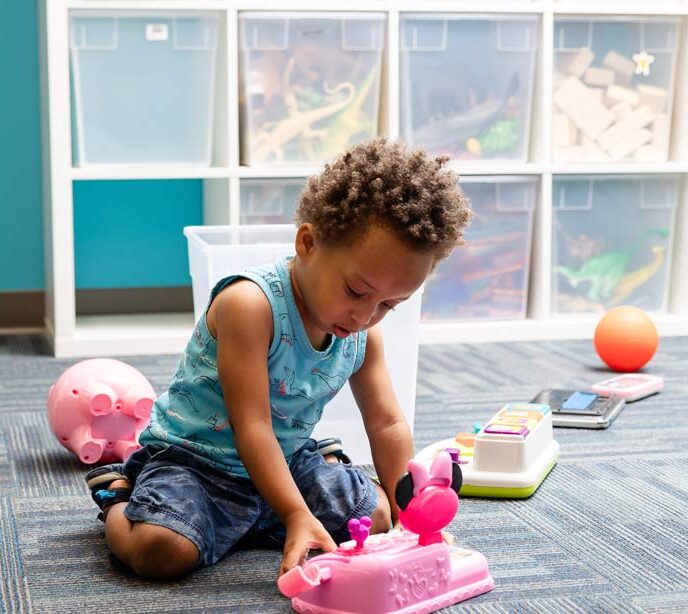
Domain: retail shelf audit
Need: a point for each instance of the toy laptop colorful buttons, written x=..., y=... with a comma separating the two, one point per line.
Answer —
x=400, y=571
x=581, y=409
x=509, y=457
x=630, y=386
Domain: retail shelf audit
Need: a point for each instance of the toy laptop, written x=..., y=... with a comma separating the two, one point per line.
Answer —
x=410, y=571
x=508, y=457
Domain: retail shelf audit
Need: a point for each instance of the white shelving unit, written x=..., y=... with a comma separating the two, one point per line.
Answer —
x=73, y=335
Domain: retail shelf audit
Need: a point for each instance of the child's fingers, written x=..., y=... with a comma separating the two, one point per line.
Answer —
x=293, y=557
x=327, y=544
x=297, y=553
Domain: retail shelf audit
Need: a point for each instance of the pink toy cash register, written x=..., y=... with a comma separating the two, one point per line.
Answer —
x=411, y=571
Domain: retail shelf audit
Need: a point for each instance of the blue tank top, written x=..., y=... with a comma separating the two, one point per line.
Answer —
x=192, y=413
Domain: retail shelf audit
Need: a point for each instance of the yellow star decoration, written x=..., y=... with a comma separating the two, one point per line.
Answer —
x=642, y=63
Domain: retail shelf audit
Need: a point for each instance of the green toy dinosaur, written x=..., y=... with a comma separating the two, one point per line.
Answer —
x=604, y=272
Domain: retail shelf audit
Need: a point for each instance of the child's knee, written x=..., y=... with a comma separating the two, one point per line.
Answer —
x=161, y=554
x=382, y=514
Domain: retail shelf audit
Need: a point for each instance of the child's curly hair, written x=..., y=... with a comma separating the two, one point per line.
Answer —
x=385, y=183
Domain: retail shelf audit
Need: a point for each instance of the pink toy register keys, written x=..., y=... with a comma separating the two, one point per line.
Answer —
x=411, y=571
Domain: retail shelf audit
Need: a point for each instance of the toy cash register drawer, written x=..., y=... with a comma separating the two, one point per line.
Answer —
x=509, y=457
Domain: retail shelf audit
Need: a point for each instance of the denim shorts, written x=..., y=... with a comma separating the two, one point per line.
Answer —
x=182, y=491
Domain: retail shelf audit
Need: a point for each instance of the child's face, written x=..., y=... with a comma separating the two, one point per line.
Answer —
x=346, y=288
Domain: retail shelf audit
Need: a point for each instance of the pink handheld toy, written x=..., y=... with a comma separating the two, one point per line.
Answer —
x=97, y=409
x=410, y=571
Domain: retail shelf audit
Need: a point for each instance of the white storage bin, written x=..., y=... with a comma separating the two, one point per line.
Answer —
x=309, y=84
x=218, y=251
x=488, y=276
x=466, y=83
x=612, y=241
x=269, y=201
x=613, y=88
x=143, y=86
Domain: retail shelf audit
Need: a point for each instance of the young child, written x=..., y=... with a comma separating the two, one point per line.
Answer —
x=227, y=458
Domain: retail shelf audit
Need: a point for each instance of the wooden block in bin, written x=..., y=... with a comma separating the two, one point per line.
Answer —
x=582, y=107
x=638, y=119
x=654, y=97
x=623, y=67
x=629, y=144
x=650, y=153
x=558, y=78
x=561, y=130
x=616, y=93
x=621, y=111
x=598, y=77
x=580, y=62
x=599, y=93
x=592, y=151
x=661, y=128
x=576, y=153
x=574, y=135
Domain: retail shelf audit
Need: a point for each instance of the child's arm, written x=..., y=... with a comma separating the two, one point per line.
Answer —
x=243, y=323
x=388, y=432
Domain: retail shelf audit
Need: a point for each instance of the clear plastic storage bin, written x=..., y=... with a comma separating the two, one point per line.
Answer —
x=466, y=83
x=143, y=86
x=612, y=241
x=218, y=251
x=309, y=84
x=613, y=88
x=488, y=276
x=269, y=201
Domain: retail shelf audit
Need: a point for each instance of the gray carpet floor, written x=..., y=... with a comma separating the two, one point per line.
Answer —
x=606, y=531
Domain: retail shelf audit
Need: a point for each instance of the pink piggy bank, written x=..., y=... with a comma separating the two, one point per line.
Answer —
x=97, y=409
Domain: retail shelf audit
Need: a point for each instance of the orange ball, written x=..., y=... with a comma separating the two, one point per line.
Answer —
x=626, y=338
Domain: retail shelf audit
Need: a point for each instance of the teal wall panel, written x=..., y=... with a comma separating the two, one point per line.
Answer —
x=21, y=227
x=128, y=234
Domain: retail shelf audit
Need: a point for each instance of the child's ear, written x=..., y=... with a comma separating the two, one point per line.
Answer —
x=305, y=240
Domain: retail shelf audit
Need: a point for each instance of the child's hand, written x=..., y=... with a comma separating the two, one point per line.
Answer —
x=304, y=532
